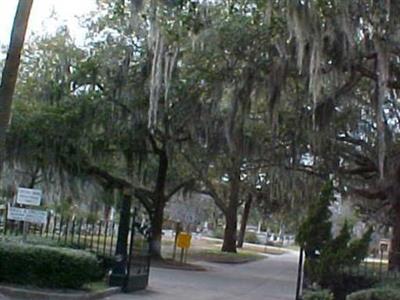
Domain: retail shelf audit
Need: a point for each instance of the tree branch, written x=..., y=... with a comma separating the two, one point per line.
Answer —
x=307, y=170
x=371, y=75
x=218, y=202
x=154, y=145
x=370, y=194
x=143, y=195
x=180, y=186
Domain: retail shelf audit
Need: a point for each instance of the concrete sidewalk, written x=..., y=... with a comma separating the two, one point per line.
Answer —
x=273, y=278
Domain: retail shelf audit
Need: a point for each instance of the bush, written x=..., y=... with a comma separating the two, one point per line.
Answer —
x=45, y=266
x=251, y=237
x=106, y=262
x=327, y=256
x=42, y=241
x=390, y=283
x=318, y=295
x=375, y=294
x=343, y=284
x=218, y=233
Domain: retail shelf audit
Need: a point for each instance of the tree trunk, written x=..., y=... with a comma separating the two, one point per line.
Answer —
x=381, y=69
x=121, y=253
x=243, y=225
x=10, y=70
x=394, y=254
x=229, y=244
x=124, y=224
x=230, y=234
x=159, y=203
x=156, y=227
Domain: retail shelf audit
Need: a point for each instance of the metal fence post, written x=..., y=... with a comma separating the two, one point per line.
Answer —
x=381, y=265
x=300, y=275
x=130, y=253
x=117, y=276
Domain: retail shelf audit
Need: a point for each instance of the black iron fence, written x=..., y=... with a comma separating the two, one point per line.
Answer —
x=372, y=270
x=96, y=236
x=127, y=245
x=99, y=237
x=139, y=255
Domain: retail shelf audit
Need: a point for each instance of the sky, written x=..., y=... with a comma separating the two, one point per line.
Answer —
x=66, y=11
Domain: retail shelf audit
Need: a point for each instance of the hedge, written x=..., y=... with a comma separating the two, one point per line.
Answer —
x=251, y=237
x=318, y=295
x=375, y=294
x=45, y=266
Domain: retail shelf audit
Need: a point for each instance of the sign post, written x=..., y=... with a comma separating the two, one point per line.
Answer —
x=178, y=229
x=27, y=197
x=383, y=247
x=183, y=242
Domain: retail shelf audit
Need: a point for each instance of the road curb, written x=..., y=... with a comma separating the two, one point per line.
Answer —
x=23, y=293
x=184, y=267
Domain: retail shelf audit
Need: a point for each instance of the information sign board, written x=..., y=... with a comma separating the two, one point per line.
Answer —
x=29, y=196
x=184, y=240
x=28, y=215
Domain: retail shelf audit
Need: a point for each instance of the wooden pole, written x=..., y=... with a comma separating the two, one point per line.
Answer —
x=182, y=255
x=177, y=231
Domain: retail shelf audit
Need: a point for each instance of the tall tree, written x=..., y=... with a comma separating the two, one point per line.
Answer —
x=10, y=70
x=348, y=54
x=236, y=64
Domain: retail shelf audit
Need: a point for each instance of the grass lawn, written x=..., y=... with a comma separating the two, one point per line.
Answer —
x=210, y=250
x=214, y=255
x=375, y=265
x=264, y=249
x=96, y=286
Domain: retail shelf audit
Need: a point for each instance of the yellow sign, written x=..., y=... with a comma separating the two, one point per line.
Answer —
x=184, y=240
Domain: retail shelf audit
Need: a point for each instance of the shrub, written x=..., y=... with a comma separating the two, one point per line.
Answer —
x=375, y=294
x=106, y=262
x=328, y=256
x=318, y=295
x=251, y=237
x=390, y=283
x=218, y=233
x=343, y=284
x=37, y=240
x=45, y=266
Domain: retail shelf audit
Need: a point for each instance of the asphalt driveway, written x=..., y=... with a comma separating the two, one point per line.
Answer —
x=273, y=278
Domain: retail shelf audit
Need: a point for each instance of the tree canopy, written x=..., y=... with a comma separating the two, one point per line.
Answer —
x=225, y=98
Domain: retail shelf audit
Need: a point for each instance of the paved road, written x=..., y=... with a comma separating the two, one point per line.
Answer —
x=273, y=278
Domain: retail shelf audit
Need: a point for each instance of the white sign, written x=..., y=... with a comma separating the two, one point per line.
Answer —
x=27, y=215
x=29, y=196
